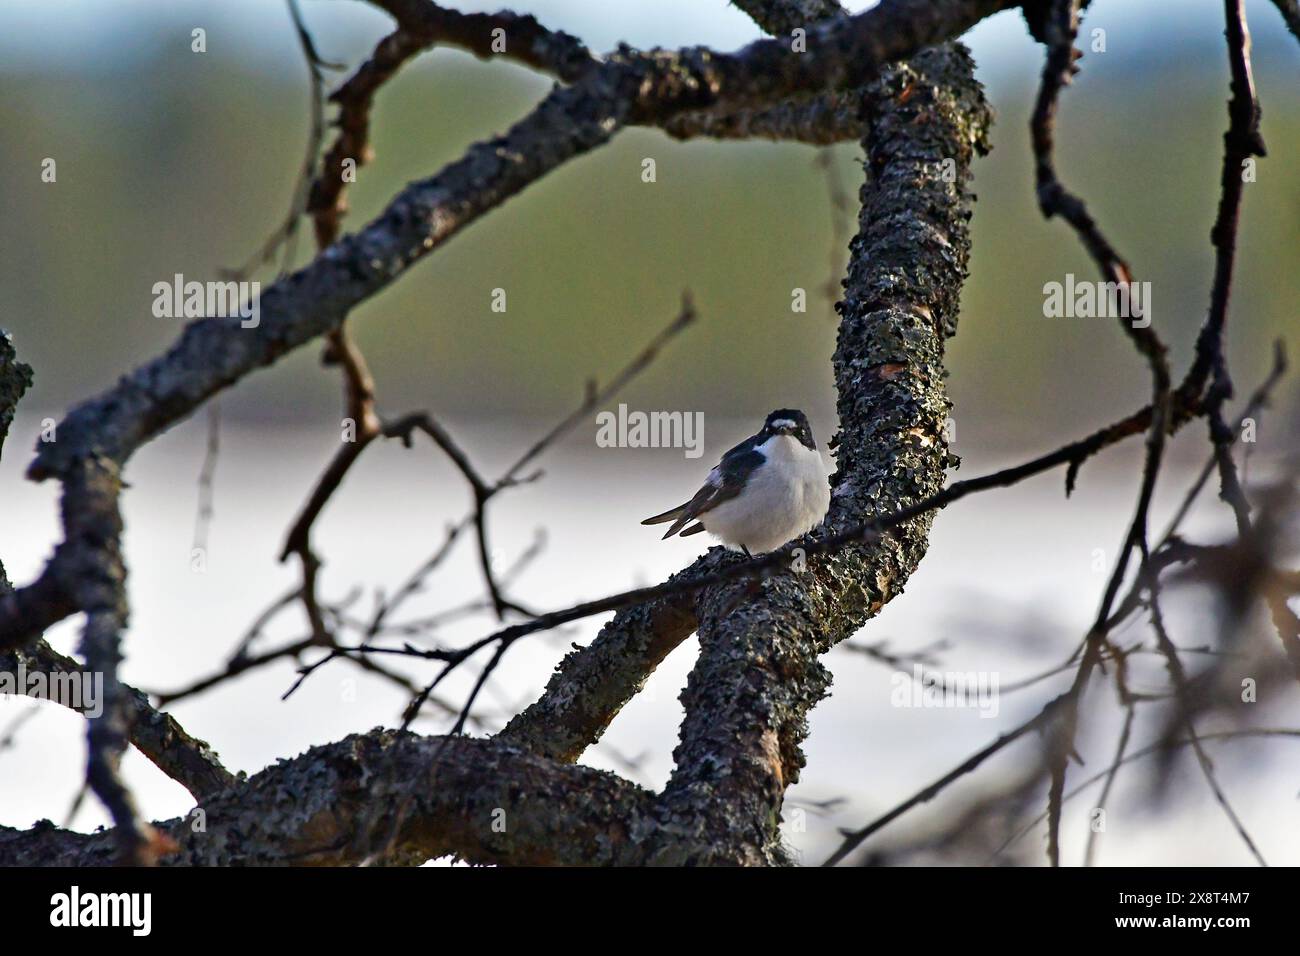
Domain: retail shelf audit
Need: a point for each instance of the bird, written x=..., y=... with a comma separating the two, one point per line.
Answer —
x=765, y=492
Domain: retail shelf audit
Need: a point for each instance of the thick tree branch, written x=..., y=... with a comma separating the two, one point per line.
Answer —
x=481, y=800
x=592, y=684
x=758, y=675
x=820, y=120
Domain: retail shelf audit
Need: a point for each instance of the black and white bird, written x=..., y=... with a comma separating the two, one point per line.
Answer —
x=769, y=489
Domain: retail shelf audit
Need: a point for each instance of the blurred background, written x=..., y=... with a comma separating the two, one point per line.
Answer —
x=170, y=161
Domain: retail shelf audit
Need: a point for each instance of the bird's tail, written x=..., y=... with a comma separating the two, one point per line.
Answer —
x=668, y=515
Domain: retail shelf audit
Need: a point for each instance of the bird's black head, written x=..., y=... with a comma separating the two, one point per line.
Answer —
x=792, y=422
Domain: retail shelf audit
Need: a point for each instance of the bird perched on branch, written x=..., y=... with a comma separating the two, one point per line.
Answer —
x=769, y=489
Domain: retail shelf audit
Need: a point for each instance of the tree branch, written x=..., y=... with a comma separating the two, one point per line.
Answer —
x=758, y=675
x=189, y=761
x=483, y=801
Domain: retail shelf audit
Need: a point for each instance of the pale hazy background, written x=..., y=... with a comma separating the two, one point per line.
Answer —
x=169, y=161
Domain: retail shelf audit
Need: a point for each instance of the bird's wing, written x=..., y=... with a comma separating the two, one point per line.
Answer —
x=724, y=482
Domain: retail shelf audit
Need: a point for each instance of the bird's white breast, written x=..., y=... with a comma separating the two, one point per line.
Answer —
x=784, y=497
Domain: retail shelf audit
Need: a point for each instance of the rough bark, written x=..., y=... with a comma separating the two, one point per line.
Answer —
x=759, y=674
x=817, y=120
x=591, y=685
x=485, y=802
